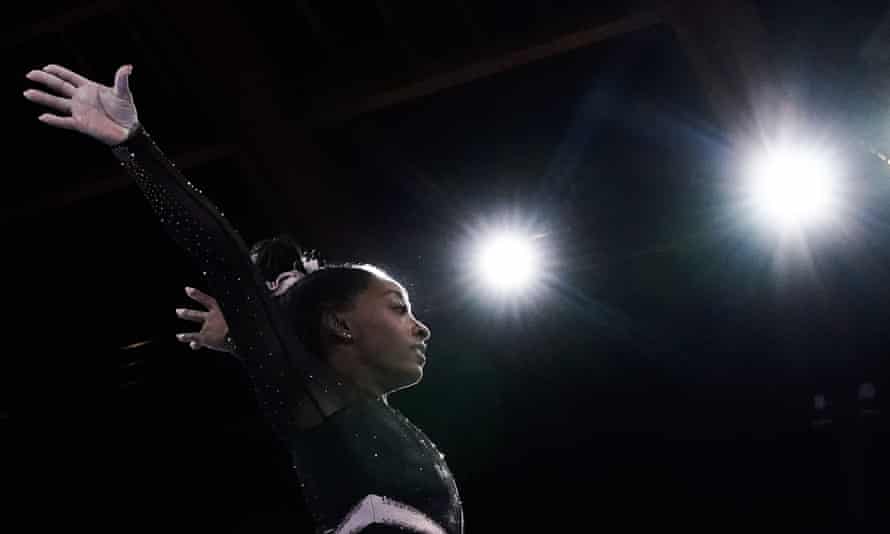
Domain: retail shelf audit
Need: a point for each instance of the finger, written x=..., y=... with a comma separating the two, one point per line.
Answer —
x=71, y=77
x=53, y=82
x=201, y=297
x=122, y=81
x=195, y=316
x=59, y=122
x=48, y=100
x=189, y=337
x=194, y=345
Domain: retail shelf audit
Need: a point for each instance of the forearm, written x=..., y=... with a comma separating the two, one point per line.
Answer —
x=278, y=365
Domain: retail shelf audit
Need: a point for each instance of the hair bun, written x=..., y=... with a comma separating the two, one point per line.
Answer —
x=309, y=262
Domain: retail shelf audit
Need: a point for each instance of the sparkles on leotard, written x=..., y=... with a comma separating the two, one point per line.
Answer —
x=364, y=467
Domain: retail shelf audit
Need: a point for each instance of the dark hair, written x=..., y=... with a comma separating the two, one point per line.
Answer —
x=276, y=255
x=332, y=287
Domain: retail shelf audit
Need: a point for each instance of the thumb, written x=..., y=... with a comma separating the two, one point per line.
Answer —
x=122, y=81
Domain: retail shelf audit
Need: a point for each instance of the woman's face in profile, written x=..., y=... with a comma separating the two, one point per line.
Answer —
x=389, y=340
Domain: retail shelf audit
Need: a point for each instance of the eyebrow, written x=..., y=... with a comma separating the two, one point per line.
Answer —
x=395, y=292
x=402, y=296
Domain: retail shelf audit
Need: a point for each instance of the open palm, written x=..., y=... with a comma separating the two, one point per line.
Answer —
x=102, y=112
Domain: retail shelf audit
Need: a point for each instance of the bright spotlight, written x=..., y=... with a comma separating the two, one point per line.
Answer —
x=793, y=187
x=507, y=262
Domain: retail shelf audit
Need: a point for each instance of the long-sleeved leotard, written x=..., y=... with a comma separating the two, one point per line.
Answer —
x=364, y=466
x=293, y=387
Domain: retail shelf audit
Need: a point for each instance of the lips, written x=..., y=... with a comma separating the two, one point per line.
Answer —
x=420, y=350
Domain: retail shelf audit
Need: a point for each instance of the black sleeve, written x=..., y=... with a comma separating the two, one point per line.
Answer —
x=293, y=387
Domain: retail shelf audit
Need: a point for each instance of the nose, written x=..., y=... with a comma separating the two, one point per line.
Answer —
x=421, y=330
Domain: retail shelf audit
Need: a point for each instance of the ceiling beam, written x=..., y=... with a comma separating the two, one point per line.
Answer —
x=108, y=181
x=296, y=179
x=56, y=24
x=368, y=97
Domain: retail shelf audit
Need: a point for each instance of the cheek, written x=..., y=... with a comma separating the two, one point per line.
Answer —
x=383, y=338
x=374, y=333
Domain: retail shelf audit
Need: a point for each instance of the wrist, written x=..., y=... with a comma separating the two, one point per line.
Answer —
x=132, y=131
x=129, y=134
x=229, y=344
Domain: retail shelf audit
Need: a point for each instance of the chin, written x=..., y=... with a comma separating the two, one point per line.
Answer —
x=415, y=376
x=410, y=378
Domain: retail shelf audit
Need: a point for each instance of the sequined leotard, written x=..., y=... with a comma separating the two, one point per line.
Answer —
x=364, y=467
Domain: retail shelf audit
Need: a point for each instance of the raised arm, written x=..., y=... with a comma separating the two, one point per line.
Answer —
x=294, y=388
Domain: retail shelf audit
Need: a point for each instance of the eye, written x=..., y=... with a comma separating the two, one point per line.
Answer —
x=401, y=308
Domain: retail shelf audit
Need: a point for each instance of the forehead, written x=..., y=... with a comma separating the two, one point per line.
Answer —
x=385, y=286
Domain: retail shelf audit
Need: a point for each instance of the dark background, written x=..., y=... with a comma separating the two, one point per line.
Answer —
x=661, y=375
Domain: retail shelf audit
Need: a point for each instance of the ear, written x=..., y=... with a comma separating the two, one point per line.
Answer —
x=336, y=326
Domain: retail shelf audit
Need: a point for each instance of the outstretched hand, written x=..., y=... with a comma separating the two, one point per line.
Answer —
x=214, y=329
x=102, y=112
